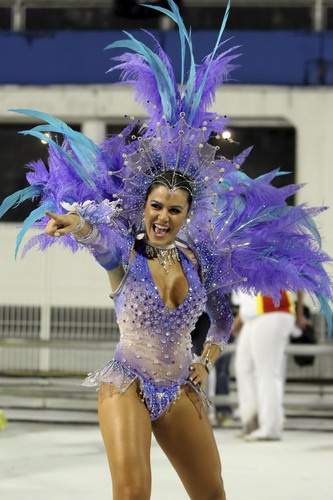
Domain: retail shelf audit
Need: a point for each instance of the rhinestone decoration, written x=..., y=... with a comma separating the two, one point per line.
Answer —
x=144, y=320
x=165, y=256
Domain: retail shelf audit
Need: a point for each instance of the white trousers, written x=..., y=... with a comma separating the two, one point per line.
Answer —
x=260, y=371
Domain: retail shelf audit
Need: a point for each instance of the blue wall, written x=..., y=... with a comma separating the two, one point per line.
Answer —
x=286, y=58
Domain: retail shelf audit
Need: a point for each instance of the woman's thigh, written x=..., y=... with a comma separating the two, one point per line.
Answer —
x=185, y=434
x=126, y=430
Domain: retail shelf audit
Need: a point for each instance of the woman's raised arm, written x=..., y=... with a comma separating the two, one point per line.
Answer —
x=99, y=242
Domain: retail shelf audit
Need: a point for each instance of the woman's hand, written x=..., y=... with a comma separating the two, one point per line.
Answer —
x=198, y=374
x=59, y=225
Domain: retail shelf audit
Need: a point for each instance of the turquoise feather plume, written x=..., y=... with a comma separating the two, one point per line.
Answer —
x=83, y=148
x=34, y=216
x=326, y=310
x=19, y=197
x=174, y=14
x=164, y=82
x=198, y=95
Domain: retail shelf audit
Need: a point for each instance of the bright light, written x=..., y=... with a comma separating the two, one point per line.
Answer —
x=226, y=135
x=47, y=135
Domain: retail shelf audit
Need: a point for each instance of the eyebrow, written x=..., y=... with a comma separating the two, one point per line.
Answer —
x=172, y=206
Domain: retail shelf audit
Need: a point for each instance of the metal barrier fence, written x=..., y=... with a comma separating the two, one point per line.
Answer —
x=75, y=340
x=68, y=323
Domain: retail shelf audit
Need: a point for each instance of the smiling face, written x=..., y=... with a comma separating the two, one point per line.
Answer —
x=164, y=214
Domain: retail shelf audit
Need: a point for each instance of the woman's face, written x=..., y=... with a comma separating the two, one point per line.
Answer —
x=164, y=214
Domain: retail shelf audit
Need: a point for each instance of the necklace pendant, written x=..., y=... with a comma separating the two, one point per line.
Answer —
x=167, y=255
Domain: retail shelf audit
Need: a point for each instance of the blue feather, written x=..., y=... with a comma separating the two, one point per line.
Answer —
x=83, y=148
x=271, y=175
x=81, y=173
x=190, y=86
x=15, y=199
x=176, y=17
x=325, y=309
x=183, y=34
x=47, y=139
x=164, y=82
x=34, y=216
x=61, y=127
x=198, y=95
x=312, y=226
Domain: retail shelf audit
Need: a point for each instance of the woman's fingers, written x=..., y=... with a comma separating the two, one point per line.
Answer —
x=51, y=227
x=59, y=225
x=60, y=232
x=53, y=216
x=198, y=374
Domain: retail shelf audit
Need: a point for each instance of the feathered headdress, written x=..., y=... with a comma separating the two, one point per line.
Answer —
x=242, y=230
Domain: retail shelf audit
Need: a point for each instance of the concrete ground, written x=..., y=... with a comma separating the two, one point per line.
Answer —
x=61, y=461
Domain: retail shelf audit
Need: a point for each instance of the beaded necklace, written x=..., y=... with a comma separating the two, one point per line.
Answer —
x=165, y=254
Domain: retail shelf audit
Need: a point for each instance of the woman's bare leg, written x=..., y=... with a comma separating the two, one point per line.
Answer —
x=126, y=431
x=186, y=436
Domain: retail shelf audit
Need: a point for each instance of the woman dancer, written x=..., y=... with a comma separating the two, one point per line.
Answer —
x=157, y=302
x=177, y=226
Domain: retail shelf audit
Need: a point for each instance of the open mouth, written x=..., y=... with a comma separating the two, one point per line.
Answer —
x=160, y=230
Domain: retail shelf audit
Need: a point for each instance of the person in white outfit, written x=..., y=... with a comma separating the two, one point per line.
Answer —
x=260, y=362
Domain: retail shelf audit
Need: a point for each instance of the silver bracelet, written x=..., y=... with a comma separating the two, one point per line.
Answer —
x=80, y=224
x=215, y=340
x=90, y=237
x=206, y=362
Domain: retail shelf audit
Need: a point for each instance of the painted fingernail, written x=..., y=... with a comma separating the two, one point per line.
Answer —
x=57, y=234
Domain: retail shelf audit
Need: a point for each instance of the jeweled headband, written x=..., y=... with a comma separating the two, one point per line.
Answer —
x=175, y=180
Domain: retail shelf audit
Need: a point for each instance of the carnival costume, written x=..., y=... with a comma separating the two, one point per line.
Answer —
x=241, y=230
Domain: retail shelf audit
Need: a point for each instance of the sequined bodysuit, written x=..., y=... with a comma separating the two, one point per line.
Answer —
x=155, y=341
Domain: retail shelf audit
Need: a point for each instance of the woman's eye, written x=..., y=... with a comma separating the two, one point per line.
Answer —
x=175, y=211
x=155, y=205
